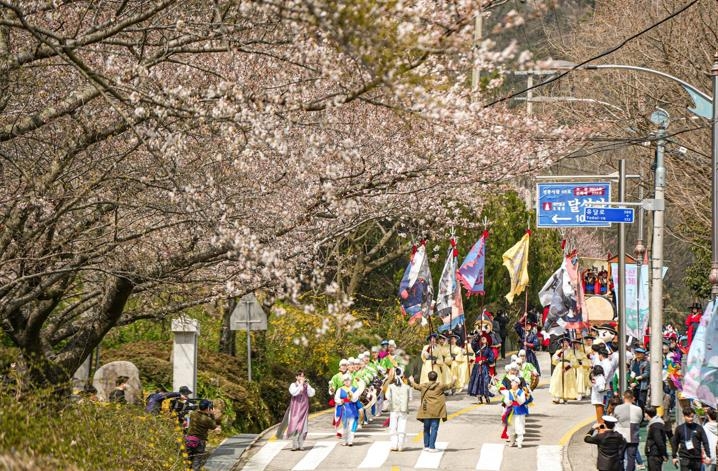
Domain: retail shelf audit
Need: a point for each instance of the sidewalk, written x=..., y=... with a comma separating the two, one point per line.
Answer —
x=580, y=454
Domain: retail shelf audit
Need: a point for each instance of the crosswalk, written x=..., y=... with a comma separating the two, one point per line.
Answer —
x=548, y=457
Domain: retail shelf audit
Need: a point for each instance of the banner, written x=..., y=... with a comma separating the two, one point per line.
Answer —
x=516, y=261
x=636, y=314
x=700, y=378
x=471, y=272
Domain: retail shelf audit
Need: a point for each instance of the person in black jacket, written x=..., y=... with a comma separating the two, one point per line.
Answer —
x=611, y=444
x=655, y=450
x=688, y=443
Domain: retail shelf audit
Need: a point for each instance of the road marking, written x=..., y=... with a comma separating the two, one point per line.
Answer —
x=431, y=460
x=357, y=434
x=394, y=468
x=315, y=456
x=492, y=454
x=548, y=458
x=567, y=436
x=420, y=436
x=265, y=455
x=377, y=455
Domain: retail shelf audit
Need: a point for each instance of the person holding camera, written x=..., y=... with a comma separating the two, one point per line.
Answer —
x=201, y=422
x=611, y=444
x=295, y=422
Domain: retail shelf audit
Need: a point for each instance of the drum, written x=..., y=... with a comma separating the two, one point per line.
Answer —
x=598, y=309
x=534, y=382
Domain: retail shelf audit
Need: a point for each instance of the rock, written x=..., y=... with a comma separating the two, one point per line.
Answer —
x=104, y=381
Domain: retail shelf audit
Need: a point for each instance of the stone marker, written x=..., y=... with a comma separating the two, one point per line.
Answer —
x=105, y=376
x=184, y=354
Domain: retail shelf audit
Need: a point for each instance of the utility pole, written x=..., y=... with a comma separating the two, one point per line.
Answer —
x=659, y=117
x=476, y=70
x=621, y=282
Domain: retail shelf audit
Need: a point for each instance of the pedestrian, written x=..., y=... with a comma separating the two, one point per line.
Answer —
x=611, y=444
x=201, y=422
x=689, y=442
x=295, y=422
x=640, y=371
x=711, y=428
x=347, y=398
x=118, y=394
x=656, y=450
x=432, y=408
x=397, y=397
x=598, y=391
x=516, y=411
x=629, y=418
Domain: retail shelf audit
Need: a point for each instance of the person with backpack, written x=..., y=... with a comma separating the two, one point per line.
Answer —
x=201, y=422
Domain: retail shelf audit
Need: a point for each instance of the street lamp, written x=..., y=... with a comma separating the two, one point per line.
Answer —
x=703, y=106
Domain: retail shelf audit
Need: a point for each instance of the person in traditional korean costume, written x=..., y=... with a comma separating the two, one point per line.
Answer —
x=563, y=380
x=480, y=376
x=529, y=341
x=347, y=397
x=432, y=359
x=444, y=351
x=583, y=370
x=459, y=364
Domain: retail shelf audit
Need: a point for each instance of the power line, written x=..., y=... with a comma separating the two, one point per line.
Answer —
x=603, y=54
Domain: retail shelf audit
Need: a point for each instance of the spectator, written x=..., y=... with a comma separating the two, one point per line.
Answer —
x=611, y=444
x=629, y=418
x=656, y=450
x=711, y=428
x=688, y=443
x=118, y=394
x=432, y=408
x=200, y=423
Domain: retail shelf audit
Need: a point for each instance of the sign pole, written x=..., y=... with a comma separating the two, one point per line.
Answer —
x=622, y=282
x=249, y=343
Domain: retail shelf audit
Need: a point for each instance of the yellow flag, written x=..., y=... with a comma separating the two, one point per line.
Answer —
x=516, y=261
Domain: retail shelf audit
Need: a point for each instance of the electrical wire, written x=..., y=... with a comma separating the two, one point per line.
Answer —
x=603, y=54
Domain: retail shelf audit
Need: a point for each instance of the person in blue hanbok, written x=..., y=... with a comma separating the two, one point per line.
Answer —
x=346, y=399
x=529, y=341
x=480, y=376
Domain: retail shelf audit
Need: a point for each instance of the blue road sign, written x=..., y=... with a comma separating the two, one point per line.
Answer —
x=620, y=215
x=563, y=204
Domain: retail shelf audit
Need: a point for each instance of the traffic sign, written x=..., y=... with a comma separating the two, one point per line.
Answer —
x=620, y=215
x=563, y=204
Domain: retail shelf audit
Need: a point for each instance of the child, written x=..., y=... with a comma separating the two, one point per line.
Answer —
x=515, y=399
x=598, y=391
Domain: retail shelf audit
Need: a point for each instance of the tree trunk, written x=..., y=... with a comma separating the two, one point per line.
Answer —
x=228, y=337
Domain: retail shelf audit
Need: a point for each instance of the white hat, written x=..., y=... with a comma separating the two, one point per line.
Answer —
x=392, y=343
x=351, y=360
x=609, y=418
x=343, y=362
x=366, y=354
x=507, y=367
x=374, y=349
x=514, y=379
x=522, y=353
x=514, y=358
x=513, y=366
x=360, y=356
x=357, y=361
x=347, y=376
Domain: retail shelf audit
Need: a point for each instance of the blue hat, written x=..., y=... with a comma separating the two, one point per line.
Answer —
x=384, y=342
x=433, y=334
x=205, y=404
x=640, y=350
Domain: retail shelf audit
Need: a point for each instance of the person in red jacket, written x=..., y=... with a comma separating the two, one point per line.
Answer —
x=693, y=320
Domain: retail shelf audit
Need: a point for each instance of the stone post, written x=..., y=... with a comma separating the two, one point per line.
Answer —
x=184, y=353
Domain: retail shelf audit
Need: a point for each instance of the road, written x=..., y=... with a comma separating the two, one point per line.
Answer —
x=469, y=440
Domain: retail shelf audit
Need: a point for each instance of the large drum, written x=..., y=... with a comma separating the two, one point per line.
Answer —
x=598, y=310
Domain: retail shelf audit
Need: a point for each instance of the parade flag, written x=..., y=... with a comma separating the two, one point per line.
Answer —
x=564, y=294
x=516, y=261
x=471, y=272
x=449, y=306
x=415, y=289
x=700, y=380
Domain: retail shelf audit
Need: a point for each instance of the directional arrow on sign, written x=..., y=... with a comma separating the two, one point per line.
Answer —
x=556, y=219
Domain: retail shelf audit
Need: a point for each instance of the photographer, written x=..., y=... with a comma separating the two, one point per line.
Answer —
x=611, y=444
x=201, y=422
x=183, y=405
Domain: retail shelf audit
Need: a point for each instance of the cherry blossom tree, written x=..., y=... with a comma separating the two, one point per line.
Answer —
x=159, y=154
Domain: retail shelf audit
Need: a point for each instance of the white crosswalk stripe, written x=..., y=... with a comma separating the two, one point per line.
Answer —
x=548, y=458
x=431, y=460
x=265, y=455
x=377, y=455
x=315, y=456
x=492, y=454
